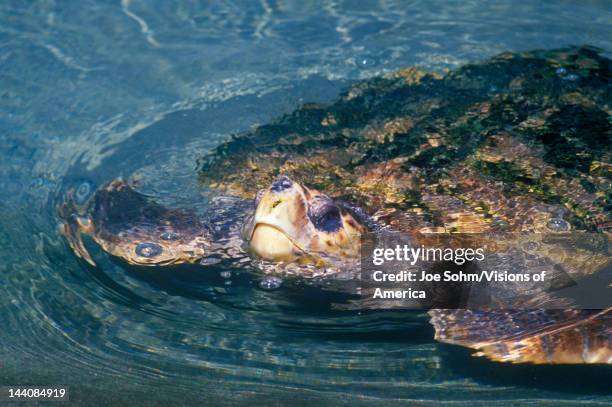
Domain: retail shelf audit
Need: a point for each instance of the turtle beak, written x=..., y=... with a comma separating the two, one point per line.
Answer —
x=278, y=227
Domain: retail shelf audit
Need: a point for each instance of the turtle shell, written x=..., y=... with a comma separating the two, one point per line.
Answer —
x=510, y=144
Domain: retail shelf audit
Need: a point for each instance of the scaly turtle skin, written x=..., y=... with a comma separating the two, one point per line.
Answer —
x=287, y=222
x=519, y=143
x=129, y=225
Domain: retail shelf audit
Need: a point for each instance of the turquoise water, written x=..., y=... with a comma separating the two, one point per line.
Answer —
x=95, y=90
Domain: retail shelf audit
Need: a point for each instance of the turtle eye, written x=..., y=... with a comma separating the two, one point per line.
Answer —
x=148, y=249
x=325, y=217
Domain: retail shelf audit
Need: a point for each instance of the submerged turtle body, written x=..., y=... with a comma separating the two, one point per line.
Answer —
x=519, y=143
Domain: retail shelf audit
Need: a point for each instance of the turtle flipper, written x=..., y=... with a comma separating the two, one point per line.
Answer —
x=131, y=226
x=73, y=227
x=559, y=336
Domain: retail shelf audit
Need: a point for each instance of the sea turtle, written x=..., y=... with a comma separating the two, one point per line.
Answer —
x=518, y=143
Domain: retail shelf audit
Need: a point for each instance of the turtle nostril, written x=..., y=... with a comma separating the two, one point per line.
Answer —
x=281, y=184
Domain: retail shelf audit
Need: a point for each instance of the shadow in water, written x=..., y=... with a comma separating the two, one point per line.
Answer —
x=575, y=379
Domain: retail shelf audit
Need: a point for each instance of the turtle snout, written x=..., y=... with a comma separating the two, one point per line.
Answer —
x=281, y=184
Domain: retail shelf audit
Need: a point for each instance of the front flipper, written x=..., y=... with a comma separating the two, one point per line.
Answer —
x=560, y=336
x=133, y=227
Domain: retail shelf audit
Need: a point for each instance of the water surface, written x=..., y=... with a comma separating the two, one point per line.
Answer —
x=90, y=91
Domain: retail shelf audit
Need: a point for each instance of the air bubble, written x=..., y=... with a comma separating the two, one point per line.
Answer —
x=561, y=71
x=82, y=193
x=571, y=77
x=558, y=225
x=270, y=283
x=365, y=62
x=169, y=236
x=210, y=261
x=530, y=246
x=225, y=274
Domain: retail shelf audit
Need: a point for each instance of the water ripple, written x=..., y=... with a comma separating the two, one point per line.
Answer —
x=83, y=101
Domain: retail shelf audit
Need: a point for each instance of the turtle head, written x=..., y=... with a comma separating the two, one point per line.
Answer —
x=293, y=223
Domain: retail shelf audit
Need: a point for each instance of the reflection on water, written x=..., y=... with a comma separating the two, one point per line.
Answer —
x=92, y=91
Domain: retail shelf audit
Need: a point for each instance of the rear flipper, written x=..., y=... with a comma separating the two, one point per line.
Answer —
x=133, y=227
x=529, y=336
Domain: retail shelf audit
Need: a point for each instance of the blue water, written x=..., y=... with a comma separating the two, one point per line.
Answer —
x=94, y=90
